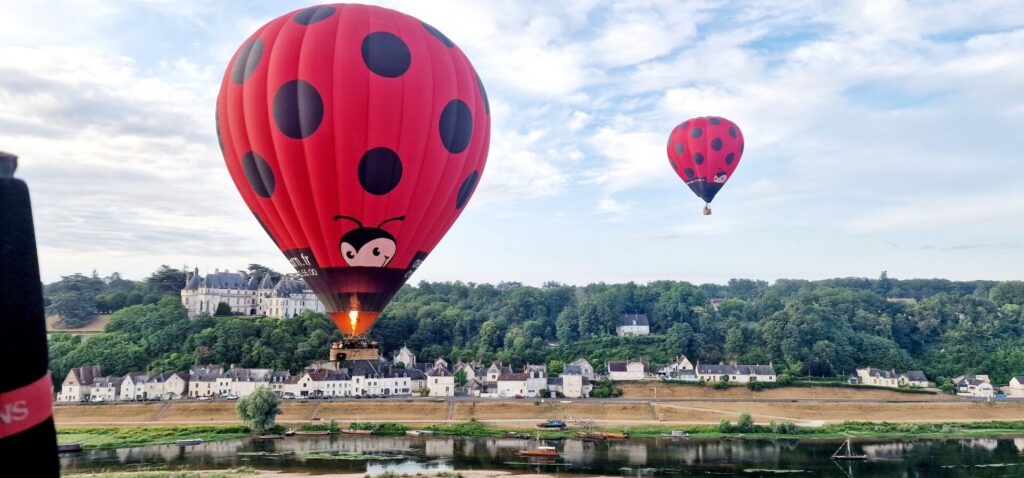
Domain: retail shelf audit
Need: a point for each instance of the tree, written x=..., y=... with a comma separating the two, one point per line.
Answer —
x=544, y=393
x=460, y=378
x=1010, y=292
x=259, y=270
x=746, y=423
x=555, y=367
x=165, y=281
x=259, y=410
x=223, y=310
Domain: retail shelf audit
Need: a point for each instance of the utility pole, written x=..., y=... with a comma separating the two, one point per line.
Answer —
x=28, y=440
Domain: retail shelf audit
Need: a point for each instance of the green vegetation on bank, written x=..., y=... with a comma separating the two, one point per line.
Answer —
x=230, y=473
x=823, y=328
x=121, y=437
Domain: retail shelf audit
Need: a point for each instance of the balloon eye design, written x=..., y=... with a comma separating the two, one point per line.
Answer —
x=368, y=246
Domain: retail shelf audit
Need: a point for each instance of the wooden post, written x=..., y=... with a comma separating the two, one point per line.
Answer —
x=28, y=440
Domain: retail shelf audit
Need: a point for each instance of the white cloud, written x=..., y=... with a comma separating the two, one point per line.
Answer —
x=947, y=215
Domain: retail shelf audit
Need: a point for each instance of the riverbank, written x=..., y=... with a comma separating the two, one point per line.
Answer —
x=524, y=413
x=123, y=437
x=253, y=473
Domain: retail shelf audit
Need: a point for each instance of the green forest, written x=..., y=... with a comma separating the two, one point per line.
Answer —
x=816, y=328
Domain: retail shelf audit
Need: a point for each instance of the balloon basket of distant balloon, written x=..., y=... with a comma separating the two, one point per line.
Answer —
x=707, y=210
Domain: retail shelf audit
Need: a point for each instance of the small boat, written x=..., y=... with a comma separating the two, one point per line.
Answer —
x=313, y=432
x=540, y=452
x=416, y=433
x=591, y=436
x=676, y=434
x=271, y=436
x=189, y=441
x=349, y=431
x=290, y=433
x=552, y=425
x=69, y=448
x=521, y=436
x=613, y=435
x=840, y=454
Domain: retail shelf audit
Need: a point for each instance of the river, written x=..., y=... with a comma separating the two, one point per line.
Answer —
x=977, y=457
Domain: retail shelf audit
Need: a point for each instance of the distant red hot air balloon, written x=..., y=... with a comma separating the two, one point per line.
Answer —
x=356, y=135
x=704, y=152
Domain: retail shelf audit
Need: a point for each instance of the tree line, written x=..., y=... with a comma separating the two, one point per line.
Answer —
x=819, y=328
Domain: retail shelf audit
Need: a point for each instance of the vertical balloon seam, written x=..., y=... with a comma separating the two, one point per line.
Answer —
x=236, y=154
x=276, y=205
x=320, y=211
x=432, y=222
x=422, y=226
x=335, y=202
x=395, y=22
x=271, y=204
x=470, y=156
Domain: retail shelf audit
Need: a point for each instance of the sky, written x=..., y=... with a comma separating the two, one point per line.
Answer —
x=880, y=135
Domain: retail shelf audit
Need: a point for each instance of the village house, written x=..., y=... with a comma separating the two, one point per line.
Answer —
x=379, y=378
x=628, y=370
x=536, y=379
x=478, y=387
x=156, y=385
x=877, y=377
x=633, y=325
x=913, y=378
x=176, y=386
x=242, y=382
x=573, y=384
x=107, y=389
x=681, y=371
x=440, y=381
x=513, y=385
x=974, y=386
x=1016, y=387
x=203, y=380
x=78, y=383
x=735, y=373
x=133, y=387
x=585, y=368
x=405, y=357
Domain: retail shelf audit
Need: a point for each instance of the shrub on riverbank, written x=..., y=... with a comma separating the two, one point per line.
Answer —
x=120, y=437
x=381, y=428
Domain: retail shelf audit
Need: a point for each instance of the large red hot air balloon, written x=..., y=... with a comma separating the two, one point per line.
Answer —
x=356, y=135
x=704, y=152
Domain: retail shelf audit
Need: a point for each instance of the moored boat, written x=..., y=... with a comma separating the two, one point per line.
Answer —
x=847, y=454
x=552, y=425
x=540, y=452
x=591, y=436
x=417, y=433
x=349, y=431
x=614, y=435
x=69, y=448
x=271, y=436
x=189, y=441
x=313, y=432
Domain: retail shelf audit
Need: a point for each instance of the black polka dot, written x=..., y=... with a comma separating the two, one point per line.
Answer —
x=716, y=144
x=732, y=131
x=312, y=15
x=456, y=126
x=696, y=132
x=689, y=173
x=674, y=165
x=680, y=149
x=298, y=109
x=466, y=190
x=220, y=139
x=259, y=174
x=698, y=158
x=437, y=34
x=483, y=93
x=713, y=120
x=380, y=170
x=386, y=55
x=246, y=61
x=729, y=158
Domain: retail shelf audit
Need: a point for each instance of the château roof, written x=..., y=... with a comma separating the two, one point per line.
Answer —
x=634, y=319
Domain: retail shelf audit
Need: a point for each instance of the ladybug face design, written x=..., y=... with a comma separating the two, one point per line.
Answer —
x=721, y=177
x=368, y=246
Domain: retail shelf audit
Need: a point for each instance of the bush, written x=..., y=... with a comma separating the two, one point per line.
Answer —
x=784, y=428
x=784, y=380
x=745, y=423
x=545, y=393
x=758, y=386
x=720, y=385
x=381, y=428
x=724, y=426
x=223, y=310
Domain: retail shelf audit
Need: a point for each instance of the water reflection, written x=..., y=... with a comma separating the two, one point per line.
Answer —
x=635, y=457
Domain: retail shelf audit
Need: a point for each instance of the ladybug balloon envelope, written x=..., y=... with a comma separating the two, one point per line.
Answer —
x=704, y=152
x=356, y=135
